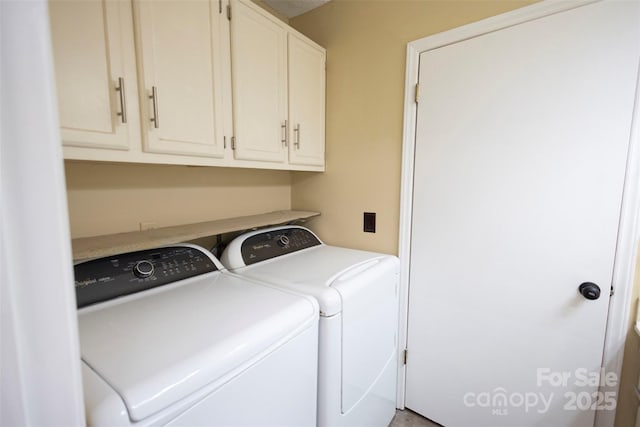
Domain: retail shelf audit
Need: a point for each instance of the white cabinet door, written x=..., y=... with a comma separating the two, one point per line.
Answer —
x=94, y=54
x=306, y=102
x=259, y=79
x=181, y=91
x=521, y=147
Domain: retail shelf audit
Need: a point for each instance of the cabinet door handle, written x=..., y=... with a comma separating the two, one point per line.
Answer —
x=154, y=98
x=123, y=100
x=285, y=131
x=296, y=141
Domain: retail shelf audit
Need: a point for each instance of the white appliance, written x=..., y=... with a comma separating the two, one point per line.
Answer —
x=168, y=337
x=358, y=296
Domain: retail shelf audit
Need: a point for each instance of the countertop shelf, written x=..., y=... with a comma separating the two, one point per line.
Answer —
x=111, y=244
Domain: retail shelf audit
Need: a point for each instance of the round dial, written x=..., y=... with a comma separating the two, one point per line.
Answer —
x=143, y=269
x=283, y=241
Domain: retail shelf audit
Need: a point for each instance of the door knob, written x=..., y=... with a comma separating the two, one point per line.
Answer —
x=589, y=290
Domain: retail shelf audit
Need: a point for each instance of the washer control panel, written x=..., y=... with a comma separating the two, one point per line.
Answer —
x=274, y=243
x=111, y=277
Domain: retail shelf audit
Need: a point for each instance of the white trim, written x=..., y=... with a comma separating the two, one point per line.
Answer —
x=624, y=265
x=406, y=207
x=40, y=360
x=628, y=234
x=495, y=23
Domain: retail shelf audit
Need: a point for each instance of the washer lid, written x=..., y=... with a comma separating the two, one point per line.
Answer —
x=319, y=271
x=157, y=347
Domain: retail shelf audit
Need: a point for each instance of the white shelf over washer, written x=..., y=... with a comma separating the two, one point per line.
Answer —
x=111, y=244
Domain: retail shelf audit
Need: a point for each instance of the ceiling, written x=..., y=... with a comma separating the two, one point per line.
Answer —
x=291, y=8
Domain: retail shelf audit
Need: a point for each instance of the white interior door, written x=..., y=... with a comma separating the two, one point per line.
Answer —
x=521, y=143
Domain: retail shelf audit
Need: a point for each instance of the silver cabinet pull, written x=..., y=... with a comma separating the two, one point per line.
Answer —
x=123, y=100
x=285, y=131
x=154, y=97
x=296, y=141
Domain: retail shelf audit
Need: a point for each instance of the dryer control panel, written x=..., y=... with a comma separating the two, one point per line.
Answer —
x=110, y=277
x=276, y=242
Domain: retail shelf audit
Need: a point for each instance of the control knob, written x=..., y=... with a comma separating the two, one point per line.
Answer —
x=143, y=269
x=283, y=241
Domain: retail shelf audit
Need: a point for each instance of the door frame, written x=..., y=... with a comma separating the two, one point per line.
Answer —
x=628, y=232
x=37, y=303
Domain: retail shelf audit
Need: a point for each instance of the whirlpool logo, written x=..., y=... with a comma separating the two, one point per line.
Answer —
x=83, y=283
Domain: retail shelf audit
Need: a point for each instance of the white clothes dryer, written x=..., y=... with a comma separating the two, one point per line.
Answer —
x=358, y=296
x=168, y=337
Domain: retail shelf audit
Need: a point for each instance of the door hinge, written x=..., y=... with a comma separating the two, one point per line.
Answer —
x=404, y=356
x=229, y=12
x=224, y=142
x=611, y=292
x=220, y=6
x=417, y=93
x=233, y=142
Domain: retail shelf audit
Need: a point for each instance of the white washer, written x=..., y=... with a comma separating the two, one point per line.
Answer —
x=168, y=337
x=358, y=296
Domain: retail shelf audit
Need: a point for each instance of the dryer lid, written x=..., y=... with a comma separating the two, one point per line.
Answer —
x=320, y=271
x=157, y=347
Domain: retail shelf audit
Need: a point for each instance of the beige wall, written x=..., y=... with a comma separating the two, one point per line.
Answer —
x=107, y=198
x=366, y=43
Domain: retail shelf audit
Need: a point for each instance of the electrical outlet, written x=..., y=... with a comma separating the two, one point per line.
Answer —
x=369, y=222
x=147, y=226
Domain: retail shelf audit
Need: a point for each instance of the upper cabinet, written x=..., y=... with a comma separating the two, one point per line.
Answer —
x=306, y=101
x=259, y=84
x=95, y=73
x=180, y=65
x=199, y=82
x=278, y=80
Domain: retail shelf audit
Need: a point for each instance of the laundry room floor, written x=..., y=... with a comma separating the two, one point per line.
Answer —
x=407, y=418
